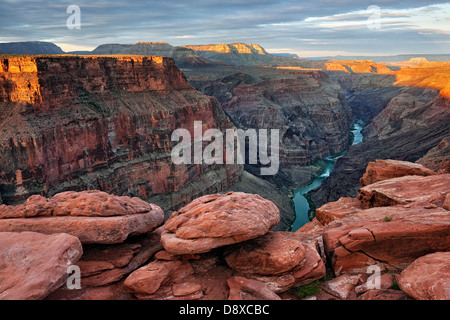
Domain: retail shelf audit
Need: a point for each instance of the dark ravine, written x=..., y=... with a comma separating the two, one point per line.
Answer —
x=303, y=204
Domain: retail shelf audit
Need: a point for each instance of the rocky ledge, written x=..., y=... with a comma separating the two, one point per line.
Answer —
x=221, y=246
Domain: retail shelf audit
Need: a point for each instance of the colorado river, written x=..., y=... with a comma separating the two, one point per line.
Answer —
x=301, y=203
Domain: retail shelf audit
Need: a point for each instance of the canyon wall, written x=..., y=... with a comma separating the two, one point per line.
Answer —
x=306, y=106
x=407, y=114
x=71, y=123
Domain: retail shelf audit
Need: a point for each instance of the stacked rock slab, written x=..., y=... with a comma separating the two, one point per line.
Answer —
x=398, y=216
x=92, y=216
x=116, y=234
x=221, y=235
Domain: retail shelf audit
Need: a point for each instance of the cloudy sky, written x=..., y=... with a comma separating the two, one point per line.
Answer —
x=308, y=28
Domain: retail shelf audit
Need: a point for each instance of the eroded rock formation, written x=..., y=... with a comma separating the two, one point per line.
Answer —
x=104, y=123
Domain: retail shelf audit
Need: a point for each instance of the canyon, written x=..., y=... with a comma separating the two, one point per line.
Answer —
x=102, y=123
x=85, y=160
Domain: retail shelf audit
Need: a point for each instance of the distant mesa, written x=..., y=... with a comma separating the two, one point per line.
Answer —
x=282, y=54
x=237, y=54
x=184, y=57
x=30, y=47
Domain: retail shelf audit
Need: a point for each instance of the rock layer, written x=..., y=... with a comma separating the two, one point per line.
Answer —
x=92, y=216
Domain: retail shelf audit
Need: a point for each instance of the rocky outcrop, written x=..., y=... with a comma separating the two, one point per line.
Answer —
x=260, y=269
x=396, y=221
x=104, y=123
x=33, y=265
x=390, y=237
x=428, y=277
x=410, y=118
x=92, y=216
x=406, y=190
x=248, y=289
x=337, y=209
x=216, y=220
x=271, y=254
x=387, y=169
x=280, y=268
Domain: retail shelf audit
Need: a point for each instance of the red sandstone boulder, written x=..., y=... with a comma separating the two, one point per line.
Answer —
x=390, y=237
x=311, y=268
x=337, y=209
x=217, y=220
x=380, y=282
x=148, y=279
x=271, y=254
x=342, y=286
x=428, y=277
x=33, y=264
x=387, y=169
x=248, y=289
x=384, y=294
x=90, y=203
x=446, y=204
x=92, y=216
x=404, y=190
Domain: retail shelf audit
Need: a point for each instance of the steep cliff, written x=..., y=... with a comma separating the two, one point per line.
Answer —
x=71, y=123
x=306, y=106
x=408, y=113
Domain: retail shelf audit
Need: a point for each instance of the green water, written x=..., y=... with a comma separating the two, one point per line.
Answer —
x=301, y=204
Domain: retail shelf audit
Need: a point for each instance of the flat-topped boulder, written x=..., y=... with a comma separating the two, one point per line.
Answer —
x=217, y=220
x=33, y=264
x=405, y=190
x=390, y=237
x=380, y=170
x=92, y=216
x=337, y=209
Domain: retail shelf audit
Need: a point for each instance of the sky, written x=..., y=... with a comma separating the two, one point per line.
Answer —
x=310, y=28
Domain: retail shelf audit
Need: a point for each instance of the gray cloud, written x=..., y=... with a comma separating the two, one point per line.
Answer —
x=273, y=24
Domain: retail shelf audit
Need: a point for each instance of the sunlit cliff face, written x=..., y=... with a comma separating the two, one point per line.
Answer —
x=417, y=72
x=429, y=74
x=227, y=48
